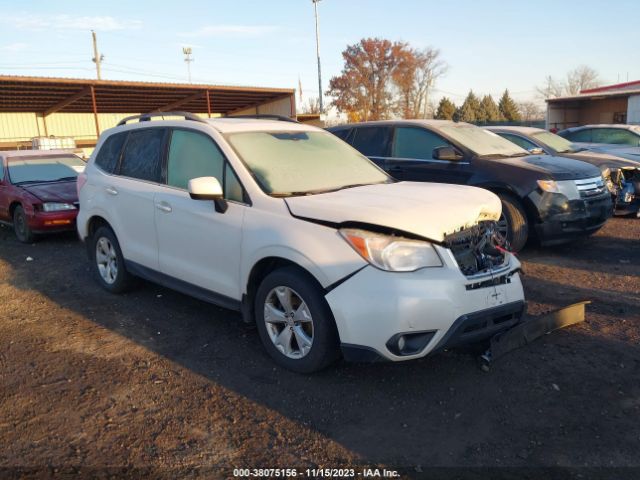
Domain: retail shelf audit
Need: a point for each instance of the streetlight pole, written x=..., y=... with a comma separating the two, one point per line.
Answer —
x=315, y=8
x=187, y=58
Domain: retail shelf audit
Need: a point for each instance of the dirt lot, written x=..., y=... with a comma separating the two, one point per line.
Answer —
x=156, y=382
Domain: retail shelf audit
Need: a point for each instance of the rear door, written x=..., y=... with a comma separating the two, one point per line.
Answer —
x=197, y=244
x=130, y=194
x=412, y=158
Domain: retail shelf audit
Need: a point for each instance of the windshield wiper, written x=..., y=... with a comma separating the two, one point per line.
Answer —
x=66, y=179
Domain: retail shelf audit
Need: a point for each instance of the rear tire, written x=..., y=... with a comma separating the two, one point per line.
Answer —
x=294, y=321
x=513, y=222
x=107, y=261
x=21, y=227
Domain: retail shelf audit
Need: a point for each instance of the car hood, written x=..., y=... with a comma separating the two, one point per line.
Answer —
x=631, y=153
x=62, y=192
x=430, y=210
x=553, y=167
x=604, y=160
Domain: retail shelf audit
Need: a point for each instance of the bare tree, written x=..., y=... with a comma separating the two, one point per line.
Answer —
x=312, y=106
x=580, y=78
x=551, y=89
x=430, y=68
x=530, y=111
x=414, y=76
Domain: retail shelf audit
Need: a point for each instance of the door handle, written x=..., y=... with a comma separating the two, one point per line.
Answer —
x=164, y=207
x=111, y=191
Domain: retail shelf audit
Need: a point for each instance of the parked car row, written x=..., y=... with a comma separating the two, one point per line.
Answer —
x=551, y=198
x=328, y=253
x=622, y=176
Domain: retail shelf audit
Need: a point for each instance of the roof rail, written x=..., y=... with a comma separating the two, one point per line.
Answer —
x=266, y=116
x=146, y=117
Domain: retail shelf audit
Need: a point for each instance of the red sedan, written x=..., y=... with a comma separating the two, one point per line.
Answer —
x=38, y=191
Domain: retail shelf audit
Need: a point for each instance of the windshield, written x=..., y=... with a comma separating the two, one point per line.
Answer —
x=559, y=144
x=299, y=163
x=44, y=169
x=482, y=142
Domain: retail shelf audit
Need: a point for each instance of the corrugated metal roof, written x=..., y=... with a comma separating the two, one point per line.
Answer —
x=50, y=94
x=595, y=96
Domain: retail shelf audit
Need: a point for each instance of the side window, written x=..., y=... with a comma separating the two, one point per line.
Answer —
x=418, y=143
x=617, y=136
x=518, y=140
x=142, y=157
x=372, y=141
x=109, y=153
x=232, y=187
x=192, y=155
x=343, y=134
x=580, y=136
x=1, y=169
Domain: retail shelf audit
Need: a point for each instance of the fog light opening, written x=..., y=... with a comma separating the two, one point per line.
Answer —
x=404, y=344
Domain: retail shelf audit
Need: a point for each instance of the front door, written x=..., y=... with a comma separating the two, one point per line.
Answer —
x=197, y=244
x=412, y=158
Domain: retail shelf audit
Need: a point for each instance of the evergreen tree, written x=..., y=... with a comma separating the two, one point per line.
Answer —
x=508, y=108
x=488, y=110
x=446, y=109
x=470, y=108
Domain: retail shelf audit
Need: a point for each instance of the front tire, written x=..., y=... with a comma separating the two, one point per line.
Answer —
x=513, y=224
x=107, y=261
x=21, y=227
x=294, y=321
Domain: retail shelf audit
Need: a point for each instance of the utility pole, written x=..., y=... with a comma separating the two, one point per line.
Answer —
x=97, y=58
x=188, y=60
x=315, y=8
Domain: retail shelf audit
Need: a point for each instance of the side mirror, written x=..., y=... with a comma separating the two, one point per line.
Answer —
x=208, y=188
x=536, y=151
x=446, y=153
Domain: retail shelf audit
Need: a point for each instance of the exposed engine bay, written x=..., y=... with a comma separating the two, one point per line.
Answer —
x=624, y=183
x=478, y=249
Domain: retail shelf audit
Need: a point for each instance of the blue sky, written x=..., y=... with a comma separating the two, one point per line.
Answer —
x=489, y=45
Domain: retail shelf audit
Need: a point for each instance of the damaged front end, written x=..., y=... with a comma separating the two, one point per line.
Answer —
x=479, y=249
x=624, y=185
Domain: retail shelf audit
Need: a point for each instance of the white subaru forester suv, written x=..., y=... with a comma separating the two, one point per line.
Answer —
x=299, y=232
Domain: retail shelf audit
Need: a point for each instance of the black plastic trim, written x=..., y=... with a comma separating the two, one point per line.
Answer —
x=182, y=286
x=361, y=354
x=457, y=334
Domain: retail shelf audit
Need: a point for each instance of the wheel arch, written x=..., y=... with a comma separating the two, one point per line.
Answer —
x=12, y=207
x=258, y=272
x=501, y=188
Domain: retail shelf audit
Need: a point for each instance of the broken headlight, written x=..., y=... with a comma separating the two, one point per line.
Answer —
x=391, y=253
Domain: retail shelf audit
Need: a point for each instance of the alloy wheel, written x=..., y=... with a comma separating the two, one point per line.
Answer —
x=288, y=321
x=106, y=260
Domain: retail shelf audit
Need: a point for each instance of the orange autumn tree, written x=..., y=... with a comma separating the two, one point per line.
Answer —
x=381, y=78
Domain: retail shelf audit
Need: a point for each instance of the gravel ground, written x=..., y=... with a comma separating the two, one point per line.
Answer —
x=156, y=383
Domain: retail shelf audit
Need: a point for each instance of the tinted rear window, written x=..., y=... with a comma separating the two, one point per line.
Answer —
x=109, y=154
x=372, y=141
x=143, y=155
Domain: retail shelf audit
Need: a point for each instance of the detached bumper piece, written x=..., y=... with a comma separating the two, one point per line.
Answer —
x=532, y=329
x=479, y=326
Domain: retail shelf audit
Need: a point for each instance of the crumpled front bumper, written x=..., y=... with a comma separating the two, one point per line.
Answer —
x=439, y=305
